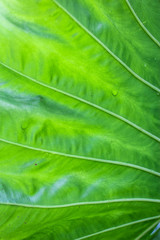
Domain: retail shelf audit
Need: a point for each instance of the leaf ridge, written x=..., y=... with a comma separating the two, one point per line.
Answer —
x=86, y=102
x=85, y=158
x=120, y=226
x=141, y=24
x=107, y=49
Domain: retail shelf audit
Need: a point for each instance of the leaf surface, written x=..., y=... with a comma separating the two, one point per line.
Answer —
x=79, y=119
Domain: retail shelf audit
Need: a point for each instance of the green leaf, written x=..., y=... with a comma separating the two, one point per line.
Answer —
x=79, y=119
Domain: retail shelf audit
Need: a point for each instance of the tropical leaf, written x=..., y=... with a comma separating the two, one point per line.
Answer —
x=79, y=119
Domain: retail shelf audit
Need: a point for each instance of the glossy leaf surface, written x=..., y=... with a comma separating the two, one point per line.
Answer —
x=79, y=119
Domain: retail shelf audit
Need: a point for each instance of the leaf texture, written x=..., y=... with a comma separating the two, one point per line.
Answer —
x=79, y=119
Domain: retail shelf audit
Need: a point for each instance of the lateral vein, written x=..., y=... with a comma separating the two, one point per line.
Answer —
x=83, y=203
x=107, y=49
x=120, y=226
x=147, y=230
x=85, y=158
x=86, y=102
x=141, y=24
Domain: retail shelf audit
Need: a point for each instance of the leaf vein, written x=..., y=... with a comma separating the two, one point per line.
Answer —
x=120, y=226
x=85, y=158
x=107, y=49
x=147, y=230
x=83, y=203
x=141, y=24
x=87, y=102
